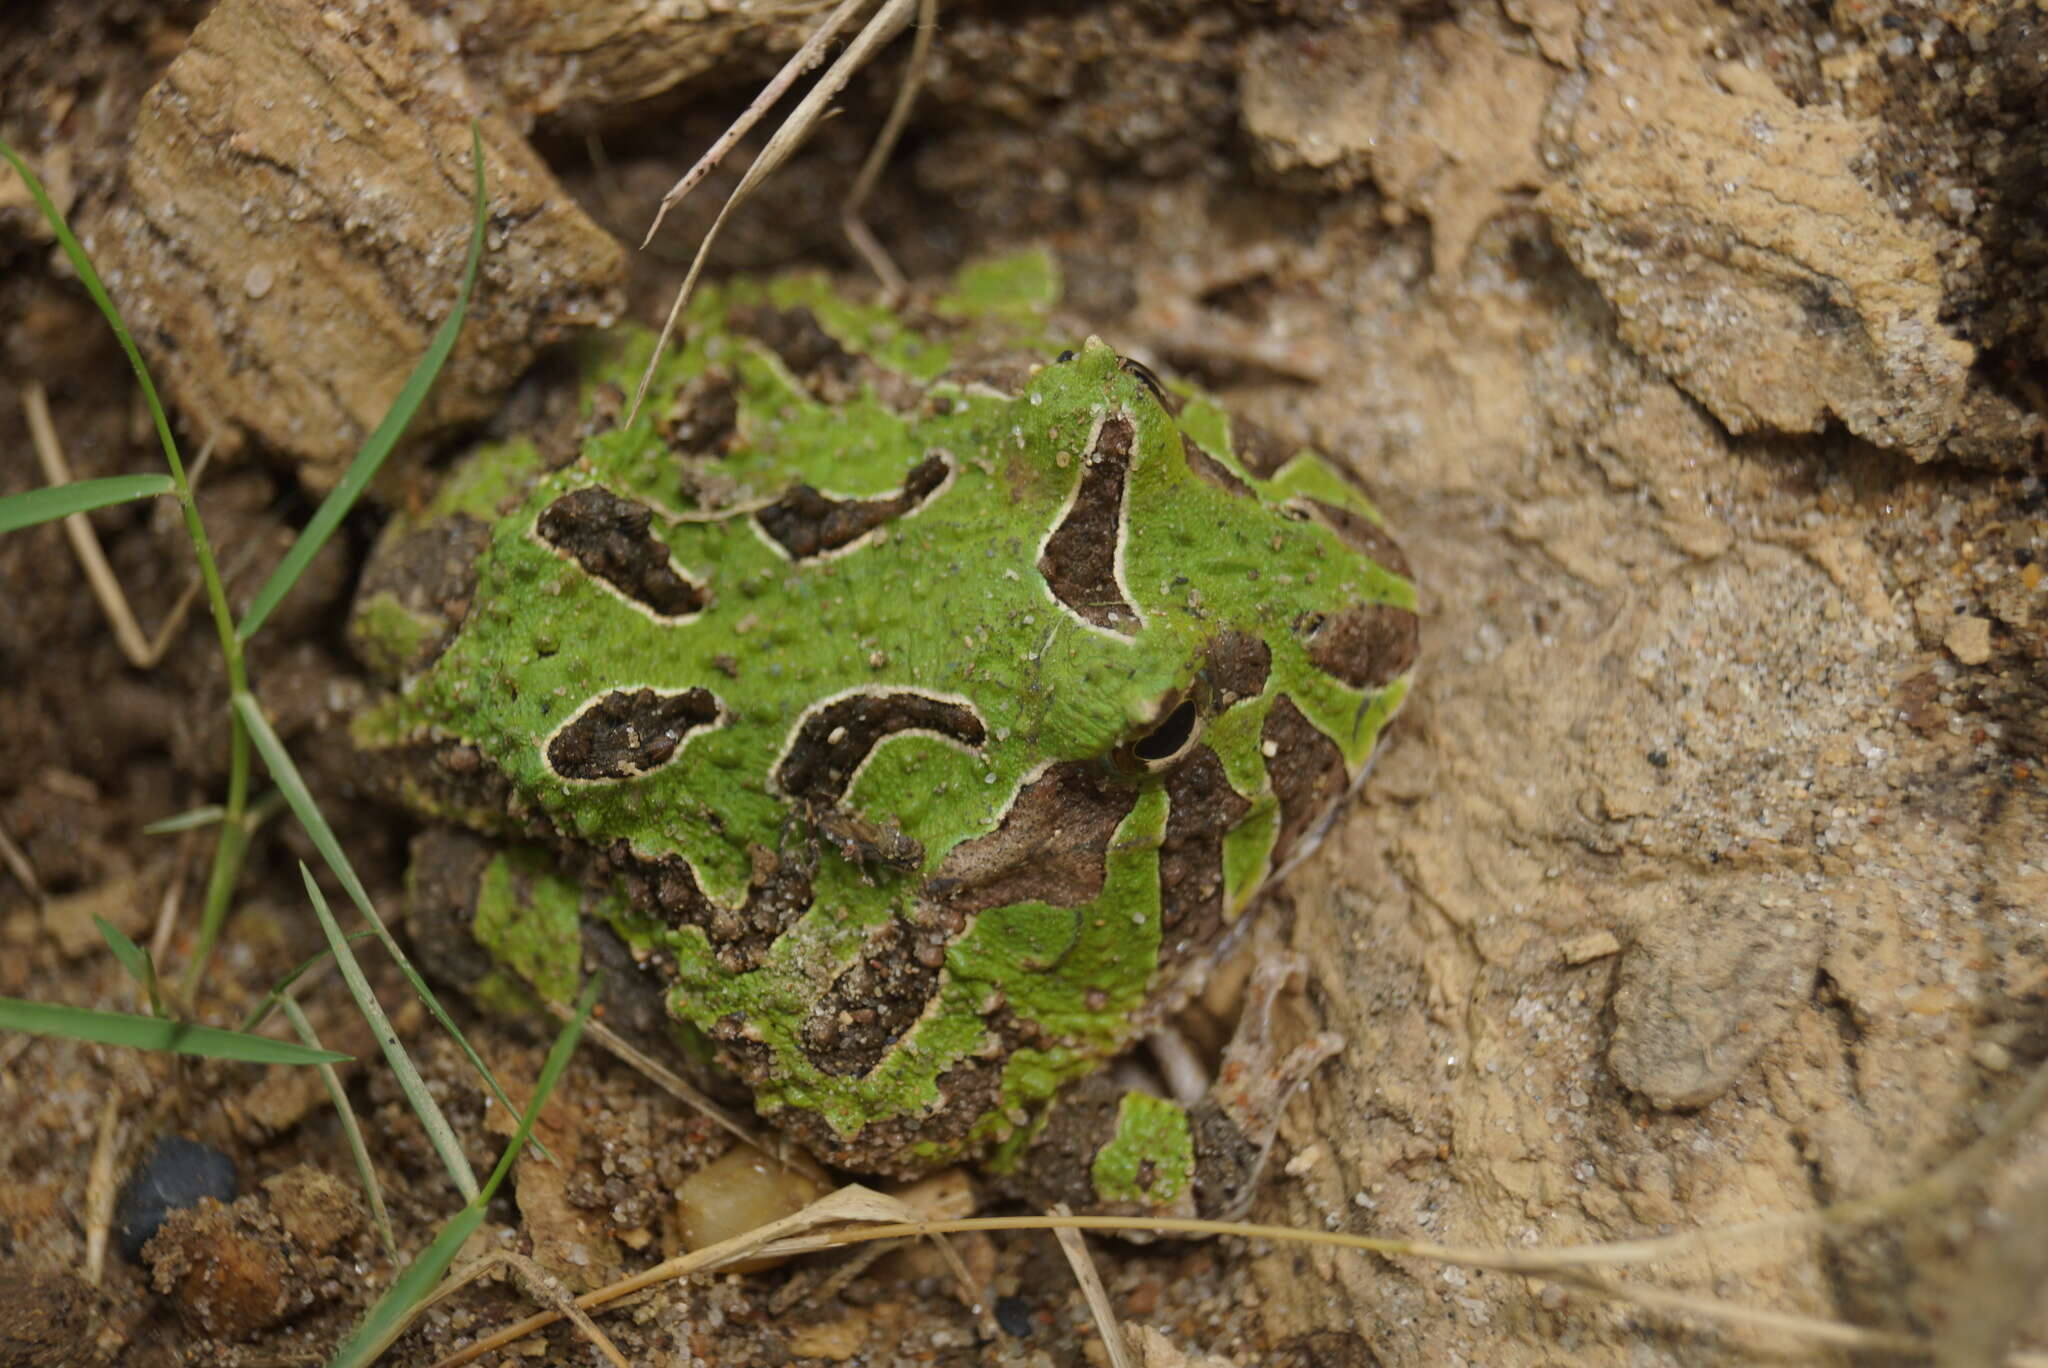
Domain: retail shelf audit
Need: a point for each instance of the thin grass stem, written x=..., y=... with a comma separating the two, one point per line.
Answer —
x=373, y=1192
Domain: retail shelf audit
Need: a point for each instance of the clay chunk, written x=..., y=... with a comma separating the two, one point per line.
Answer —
x=579, y=63
x=1747, y=258
x=297, y=211
x=1705, y=989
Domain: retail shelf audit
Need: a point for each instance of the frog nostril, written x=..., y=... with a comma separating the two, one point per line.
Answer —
x=1367, y=645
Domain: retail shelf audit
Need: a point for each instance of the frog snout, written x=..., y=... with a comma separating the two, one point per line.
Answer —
x=1367, y=645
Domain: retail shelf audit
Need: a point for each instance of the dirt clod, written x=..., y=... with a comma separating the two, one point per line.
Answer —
x=317, y=1209
x=1706, y=986
x=297, y=212
x=224, y=1272
x=48, y=1320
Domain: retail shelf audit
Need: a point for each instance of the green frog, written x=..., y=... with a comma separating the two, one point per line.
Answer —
x=920, y=703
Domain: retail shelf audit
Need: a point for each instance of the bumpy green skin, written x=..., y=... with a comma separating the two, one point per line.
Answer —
x=1149, y=1160
x=947, y=600
x=531, y=919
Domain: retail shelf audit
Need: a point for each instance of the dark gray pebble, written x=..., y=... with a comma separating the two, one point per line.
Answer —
x=1014, y=1315
x=175, y=1174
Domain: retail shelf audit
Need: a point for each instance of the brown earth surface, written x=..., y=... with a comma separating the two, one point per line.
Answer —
x=1694, y=352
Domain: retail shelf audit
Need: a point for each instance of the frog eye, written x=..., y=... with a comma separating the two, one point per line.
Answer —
x=1145, y=376
x=1161, y=743
x=1064, y=357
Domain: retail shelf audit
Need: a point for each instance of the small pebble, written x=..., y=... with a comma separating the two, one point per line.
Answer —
x=1589, y=947
x=1014, y=1315
x=175, y=1174
x=1969, y=640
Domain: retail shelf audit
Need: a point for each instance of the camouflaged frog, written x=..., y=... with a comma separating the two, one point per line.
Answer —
x=923, y=710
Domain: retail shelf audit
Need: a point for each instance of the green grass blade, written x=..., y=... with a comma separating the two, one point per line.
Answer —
x=370, y=458
x=188, y=820
x=90, y=278
x=352, y=1132
x=153, y=1033
x=134, y=959
x=232, y=837
x=292, y=785
x=261, y=1011
x=132, y=956
x=80, y=496
x=293, y=788
x=550, y=1071
x=440, y=1134
x=389, y=1317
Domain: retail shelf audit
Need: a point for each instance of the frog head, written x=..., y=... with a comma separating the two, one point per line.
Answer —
x=1139, y=657
x=1218, y=619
